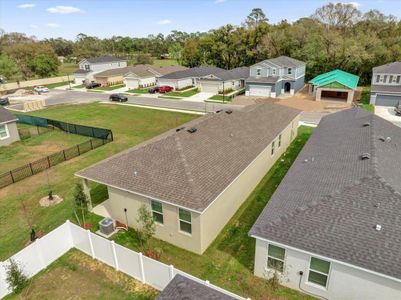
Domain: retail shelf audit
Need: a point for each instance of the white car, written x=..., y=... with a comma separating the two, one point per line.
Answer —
x=41, y=89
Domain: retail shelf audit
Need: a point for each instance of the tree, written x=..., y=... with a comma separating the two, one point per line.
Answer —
x=15, y=277
x=147, y=226
x=44, y=65
x=80, y=201
x=144, y=58
x=340, y=15
x=256, y=17
x=8, y=67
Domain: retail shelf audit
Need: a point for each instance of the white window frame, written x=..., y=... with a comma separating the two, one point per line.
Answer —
x=87, y=67
x=157, y=212
x=398, y=80
x=289, y=71
x=274, y=258
x=274, y=71
x=6, y=130
x=328, y=274
x=390, y=79
x=377, y=78
x=185, y=221
x=259, y=72
x=280, y=136
x=273, y=150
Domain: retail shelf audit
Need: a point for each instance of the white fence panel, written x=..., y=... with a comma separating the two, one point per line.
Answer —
x=103, y=250
x=128, y=262
x=157, y=274
x=80, y=239
x=29, y=259
x=3, y=285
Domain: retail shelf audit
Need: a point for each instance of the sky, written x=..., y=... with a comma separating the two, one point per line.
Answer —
x=138, y=18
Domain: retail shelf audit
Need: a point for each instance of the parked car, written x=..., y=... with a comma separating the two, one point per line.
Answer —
x=93, y=85
x=397, y=109
x=41, y=89
x=153, y=90
x=165, y=89
x=4, y=101
x=118, y=98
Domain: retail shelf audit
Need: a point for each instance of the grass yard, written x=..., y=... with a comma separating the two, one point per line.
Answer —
x=81, y=86
x=36, y=147
x=19, y=203
x=57, y=84
x=77, y=276
x=228, y=262
x=110, y=88
x=365, y=99
x=67, y=68
x=165, y=62
x=139, y=91
x=183, y=94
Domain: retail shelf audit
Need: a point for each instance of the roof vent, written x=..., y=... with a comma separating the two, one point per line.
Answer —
x=381, y=138
x=219, y=111
x=365, y=156
x=192, y=130
x=179, y=129
x=229, y=111
x=367, y=124
x=378, y=227
x=388, y=139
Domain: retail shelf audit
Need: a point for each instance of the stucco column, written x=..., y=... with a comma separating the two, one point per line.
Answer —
x=350, y=97
x=85, y=184
x=318, y=94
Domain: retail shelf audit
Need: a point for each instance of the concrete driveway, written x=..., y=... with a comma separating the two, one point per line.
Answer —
x=200, y=97
x=388, y=113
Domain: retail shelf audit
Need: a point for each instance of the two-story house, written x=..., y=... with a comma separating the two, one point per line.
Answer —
x=88, y=67
x=276, y=76
x=386, y=85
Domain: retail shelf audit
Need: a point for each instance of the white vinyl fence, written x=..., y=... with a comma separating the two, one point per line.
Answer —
x=38, y=255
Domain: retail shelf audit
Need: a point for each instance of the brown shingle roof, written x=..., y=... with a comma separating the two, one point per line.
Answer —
x=141, y=71
x=191, y=170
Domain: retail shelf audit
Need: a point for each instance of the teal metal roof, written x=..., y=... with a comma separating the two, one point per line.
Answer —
x=344, y=78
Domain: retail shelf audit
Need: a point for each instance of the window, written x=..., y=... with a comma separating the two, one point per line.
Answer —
x=385, y=79
x=377, y=78
x=279, y=141
x=273, y=146
x=275, y=258
x=258, y=72
x=3, y=132
x=398, y=79
x=157, y=211
x=87, y=68
x=233, y=83
x=390, y=80
x=318, y=271
x=381, y=78
x=274, y=71
x=289, y=71
x=185, y=220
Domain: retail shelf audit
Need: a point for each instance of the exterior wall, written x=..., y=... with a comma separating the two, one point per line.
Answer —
x=12, y=132
x=100, y=67
x=132, y=83
x=218, y=85
x=275, y=87
x=109, y=80
x=175, y=83
x=385, y=100
x=148, y=81
x=216, y=216
x=29, y=83
x=396, y=79
x=319, y=91
x=79, y=78
x=299, y=83
x=344, y=282
x=169, y=231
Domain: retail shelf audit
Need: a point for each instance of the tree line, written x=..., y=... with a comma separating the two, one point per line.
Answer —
x=336, y=35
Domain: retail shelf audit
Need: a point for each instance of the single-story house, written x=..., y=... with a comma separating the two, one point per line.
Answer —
x=8, y=127
x=228, y=80
x=276, y=76
x=333, y=228
x=334, y=85
x=183, y=288
x=88, y=67
x=187, y=78
x=138, y=79
x=386, y=85
x=195, y=177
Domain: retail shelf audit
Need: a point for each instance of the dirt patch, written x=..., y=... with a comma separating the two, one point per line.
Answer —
x=46, y=201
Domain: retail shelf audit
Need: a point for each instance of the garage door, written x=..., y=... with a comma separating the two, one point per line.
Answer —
x=210, y=88
x=259, y=91
x=387, y=100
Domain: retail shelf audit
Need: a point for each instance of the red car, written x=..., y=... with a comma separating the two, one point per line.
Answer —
x=165, y=88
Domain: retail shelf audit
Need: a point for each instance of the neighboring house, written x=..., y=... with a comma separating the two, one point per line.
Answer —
x=386, y=85
x=334, y=85
x=333, y=226
x=8, y=127
x=194, y=178
x=228, y=80
x=88, y=67
x=186, y=78
x=276, y=76
x=138, y=79
x=183, y=288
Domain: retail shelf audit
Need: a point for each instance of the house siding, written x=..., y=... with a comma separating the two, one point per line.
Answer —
x=13, y=134
x=344, y=282
x=216, y=216
x=386, y=100
x=175, y=83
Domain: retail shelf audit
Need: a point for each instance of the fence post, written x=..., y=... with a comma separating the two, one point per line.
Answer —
x=113, y=247
x=12, y=177
x=48, y=161
x=171, y=269
x=90, y=243
x=79, y=152
x=64, y=155
x=39, y=253
x=140, y=256
x=30, y=166
x=91, y=144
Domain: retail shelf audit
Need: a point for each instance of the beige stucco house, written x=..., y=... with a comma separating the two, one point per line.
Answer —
x=8, y=127
x=195, y=177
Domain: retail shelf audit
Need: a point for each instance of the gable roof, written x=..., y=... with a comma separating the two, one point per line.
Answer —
x=164, y=70
x=6, y=116
x=81, y=71
x=347, y=79
x=233, y=74
x=194, y=72
x=140, y=70
x=103, y=59
x=283, y=61
x=394, y=67
x=191, y=170
x=331, y=200
x=183, y=288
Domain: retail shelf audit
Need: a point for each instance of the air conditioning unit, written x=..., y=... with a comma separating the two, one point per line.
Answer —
x=107, y=226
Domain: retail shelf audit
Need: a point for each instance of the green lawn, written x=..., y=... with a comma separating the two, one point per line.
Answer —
x=183, y=94
x=67, y=68
x=228, y=262
x=36, y=147
x=75, y=275
x=165, y=62
x=79, y=86
x=365, y=99
x=139, y=91
x=110, y=88
x=57, y=84
x=19, y=203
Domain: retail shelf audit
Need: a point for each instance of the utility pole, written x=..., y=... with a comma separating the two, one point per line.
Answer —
x=223, y=91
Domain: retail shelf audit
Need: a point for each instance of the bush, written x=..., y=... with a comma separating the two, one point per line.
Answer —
x=15, y=277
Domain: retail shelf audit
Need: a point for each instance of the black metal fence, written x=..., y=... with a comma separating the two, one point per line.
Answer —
x=26, y=133
x=100, y=137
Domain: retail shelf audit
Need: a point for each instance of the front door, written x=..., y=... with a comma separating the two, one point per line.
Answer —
x=287, y=87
